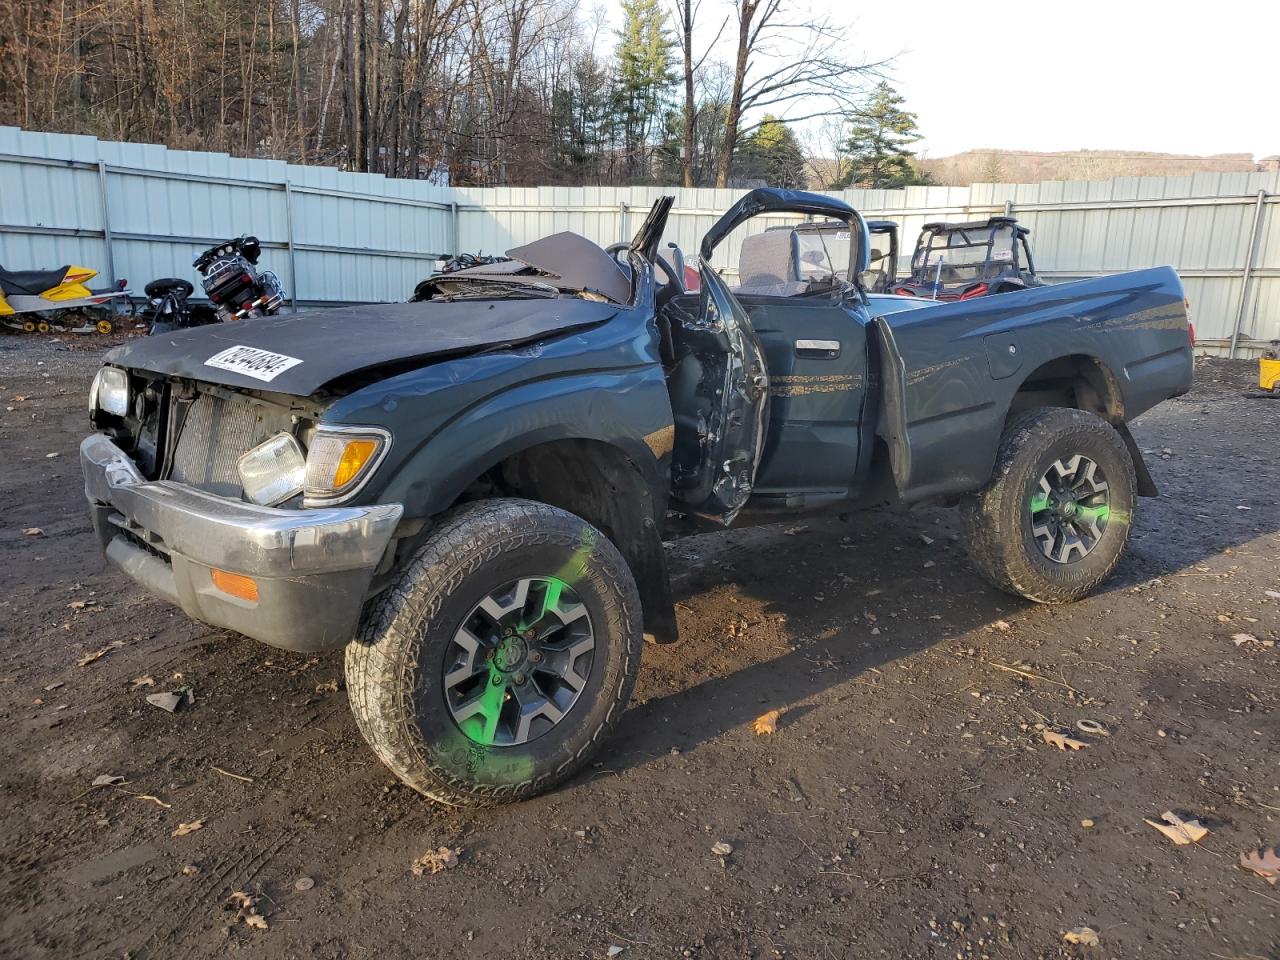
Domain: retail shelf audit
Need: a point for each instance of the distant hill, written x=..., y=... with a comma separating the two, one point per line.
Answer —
x=1026, y=166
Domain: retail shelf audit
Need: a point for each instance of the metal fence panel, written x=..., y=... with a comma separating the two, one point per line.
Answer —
x=143, y=211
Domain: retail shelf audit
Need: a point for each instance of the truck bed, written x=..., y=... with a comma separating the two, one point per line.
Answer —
x=952, y=371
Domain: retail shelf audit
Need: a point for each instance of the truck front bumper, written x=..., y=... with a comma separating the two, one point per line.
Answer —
x=311, y=568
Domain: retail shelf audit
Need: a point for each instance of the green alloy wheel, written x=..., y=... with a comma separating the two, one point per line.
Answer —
x=1053, y=522
x=497, y=664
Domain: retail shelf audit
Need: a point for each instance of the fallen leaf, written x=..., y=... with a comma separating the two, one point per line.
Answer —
x=89, y=658
x=1001, y=625
x=721, y=849
x=1062, y=741
x=33, y=532
x=146, y=680
x=160, y=803
x=329, y=686
x=766, y=723
x=107, y=780
x=1239, y=639
x=185, y=828
x=244, y=906
x=1265, y=863
x=1085, y=936
x=1178, y=830
x=80, y=604
x=19, y=397
x=433, y=861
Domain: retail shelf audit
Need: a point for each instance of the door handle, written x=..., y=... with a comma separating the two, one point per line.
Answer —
x=826, y=349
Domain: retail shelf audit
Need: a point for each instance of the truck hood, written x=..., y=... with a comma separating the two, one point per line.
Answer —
x=300, y=353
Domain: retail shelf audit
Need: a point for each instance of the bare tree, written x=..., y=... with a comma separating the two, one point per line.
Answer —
x=686, y=14
x=780, y=65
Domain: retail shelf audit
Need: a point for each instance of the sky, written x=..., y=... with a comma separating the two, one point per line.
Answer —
x=1173, y=77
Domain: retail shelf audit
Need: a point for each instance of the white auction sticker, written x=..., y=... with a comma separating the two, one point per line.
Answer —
x=252, y=362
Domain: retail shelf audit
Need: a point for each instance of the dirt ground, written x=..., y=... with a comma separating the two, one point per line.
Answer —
x=906, y=807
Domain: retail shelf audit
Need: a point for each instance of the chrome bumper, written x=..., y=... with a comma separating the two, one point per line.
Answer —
x=312, y=567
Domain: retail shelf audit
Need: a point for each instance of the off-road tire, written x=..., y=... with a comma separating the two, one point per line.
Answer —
x=997, y=520
x=394, y=664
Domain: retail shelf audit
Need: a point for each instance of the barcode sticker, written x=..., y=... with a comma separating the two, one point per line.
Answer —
x=252, y=362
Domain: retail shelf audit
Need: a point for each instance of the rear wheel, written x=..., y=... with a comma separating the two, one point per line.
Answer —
x=1054, y=521
x=506, y=652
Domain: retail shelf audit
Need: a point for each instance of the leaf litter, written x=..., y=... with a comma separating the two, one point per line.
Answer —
x=1062, y=741
x=766, y=723
x=1181, y=832
x=1265, y=863
x=434, y=861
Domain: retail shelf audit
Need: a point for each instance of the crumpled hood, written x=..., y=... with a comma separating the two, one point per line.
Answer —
x=300, y=353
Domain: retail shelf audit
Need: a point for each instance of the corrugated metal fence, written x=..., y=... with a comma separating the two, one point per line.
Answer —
x=143, y=211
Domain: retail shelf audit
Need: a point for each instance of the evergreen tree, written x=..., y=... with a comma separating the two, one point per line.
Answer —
x=646, y=75
x=772, y=153
x=878, y=148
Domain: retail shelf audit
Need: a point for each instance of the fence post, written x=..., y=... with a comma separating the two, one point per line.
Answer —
x=623, y=232
x=1250, y=254
x=293, y=260
x=106, y=221
x=455, y=229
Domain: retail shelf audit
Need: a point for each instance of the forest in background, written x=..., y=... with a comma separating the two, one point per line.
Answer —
x=483, y=92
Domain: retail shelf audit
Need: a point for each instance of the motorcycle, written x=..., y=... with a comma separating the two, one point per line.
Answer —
x=35, y=294
x=233, y=283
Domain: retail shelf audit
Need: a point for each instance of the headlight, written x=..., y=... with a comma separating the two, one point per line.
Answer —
x=341, y=459
x=110, y=392
x=273, y=471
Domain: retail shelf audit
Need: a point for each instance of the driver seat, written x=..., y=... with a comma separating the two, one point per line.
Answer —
x=767, y=265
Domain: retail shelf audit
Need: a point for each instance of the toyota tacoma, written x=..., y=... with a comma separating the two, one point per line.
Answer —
x=470, y=491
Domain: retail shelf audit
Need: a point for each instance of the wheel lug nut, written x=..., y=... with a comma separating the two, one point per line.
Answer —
x=519, y=678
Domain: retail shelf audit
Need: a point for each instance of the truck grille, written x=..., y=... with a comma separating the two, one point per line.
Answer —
x=216, y=433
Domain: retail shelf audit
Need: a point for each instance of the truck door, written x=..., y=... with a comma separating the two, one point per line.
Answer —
x=720, y=395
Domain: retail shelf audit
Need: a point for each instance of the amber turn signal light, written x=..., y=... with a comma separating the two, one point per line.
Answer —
x=236, y=585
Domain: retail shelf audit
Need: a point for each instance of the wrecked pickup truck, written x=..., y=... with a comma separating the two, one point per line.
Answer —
x=470, y=492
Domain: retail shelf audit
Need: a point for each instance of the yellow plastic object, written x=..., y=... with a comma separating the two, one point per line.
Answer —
x=5, y=309
x=1269, y=374
x=72, y=286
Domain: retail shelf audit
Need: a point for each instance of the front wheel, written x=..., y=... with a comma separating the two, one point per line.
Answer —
x=496, y=665
x=1053, y=522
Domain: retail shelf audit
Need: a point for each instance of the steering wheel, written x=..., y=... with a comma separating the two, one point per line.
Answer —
x=674, y=284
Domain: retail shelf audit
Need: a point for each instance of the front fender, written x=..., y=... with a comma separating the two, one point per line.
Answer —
x=627, y=409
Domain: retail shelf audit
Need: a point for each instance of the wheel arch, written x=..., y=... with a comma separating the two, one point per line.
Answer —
x=602, y=483
x=1076, y=380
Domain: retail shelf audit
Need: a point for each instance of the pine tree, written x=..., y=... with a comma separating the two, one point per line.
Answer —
x=646, y=75
x=772, y=153
x=880, y=135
